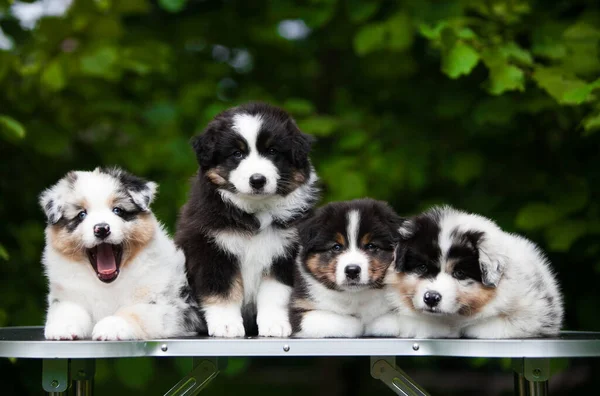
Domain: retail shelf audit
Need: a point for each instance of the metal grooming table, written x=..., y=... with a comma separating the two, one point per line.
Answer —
x=71, y=364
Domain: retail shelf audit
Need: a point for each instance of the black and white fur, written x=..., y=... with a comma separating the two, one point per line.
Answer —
x=255, y=182
x=142, y=292
x=346, y=249
x=458, y=274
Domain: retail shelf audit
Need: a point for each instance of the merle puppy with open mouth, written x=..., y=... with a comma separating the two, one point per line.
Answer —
x=113, y=272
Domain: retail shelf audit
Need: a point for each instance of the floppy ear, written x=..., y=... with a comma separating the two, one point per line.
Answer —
x=301, y=144
x=144, y=196
x=492, y=261
x=51, y=198
x=50, y=202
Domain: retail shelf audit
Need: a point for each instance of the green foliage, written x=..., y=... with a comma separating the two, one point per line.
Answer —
x=492, y=106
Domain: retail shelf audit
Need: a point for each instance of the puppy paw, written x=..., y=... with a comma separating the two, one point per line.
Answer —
x=65, y=331
x=231, y=329
x=274, y=325
x=113, y=328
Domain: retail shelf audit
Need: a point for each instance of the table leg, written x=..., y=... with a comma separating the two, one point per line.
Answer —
x=385, y=370
x=55, y=376
x=521, y=385
x=203, y=372
x=82, y=374
x=531, y=376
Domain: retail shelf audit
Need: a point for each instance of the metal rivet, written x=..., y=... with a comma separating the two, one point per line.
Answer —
x=54, y=384
x=415, y=347
x=164, y=348
x=537, y=372
x=81, y=373
x=286, y=348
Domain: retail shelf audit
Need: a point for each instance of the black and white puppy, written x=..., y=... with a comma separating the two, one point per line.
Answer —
x=255, y=182
x=113, y=272
x=458, y=274
x=346, y=249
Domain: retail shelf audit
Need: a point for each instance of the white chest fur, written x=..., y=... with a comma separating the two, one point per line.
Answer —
x=255, y=253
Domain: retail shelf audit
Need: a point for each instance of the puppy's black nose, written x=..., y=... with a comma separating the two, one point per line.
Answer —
x=101, y=230
x=258, y=181
x=352, y=271
x=432, y=298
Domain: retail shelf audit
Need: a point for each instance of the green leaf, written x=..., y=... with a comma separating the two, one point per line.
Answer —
x=560, y=237
x=299, y=107
x=370, y=38
x=400, y=32
x=100, y=62
x=536, y=215
x=506, y=77
x=3, y=253
x=460, y=60
x=319, y=125
x=432, y=32
x=466, y=167
x=53, y=76
x=581, y=94
x=172, y=5
x=360, y=11
x=11, y=128
x=591, y=124
x=566, y=89
x=512, y=51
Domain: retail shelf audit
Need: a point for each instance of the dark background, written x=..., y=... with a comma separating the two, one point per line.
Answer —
x=489, y=105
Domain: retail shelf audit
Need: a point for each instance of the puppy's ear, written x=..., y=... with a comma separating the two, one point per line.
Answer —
x=492, y=261
x=50, y=202
x=301, y=144
x=51, y=198
x=144, y=196
x=142, y=192
x=204, y=148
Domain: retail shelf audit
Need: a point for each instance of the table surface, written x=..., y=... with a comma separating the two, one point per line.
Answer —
x=29, y=342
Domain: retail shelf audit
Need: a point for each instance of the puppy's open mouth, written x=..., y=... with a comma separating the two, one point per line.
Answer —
x=106, y=260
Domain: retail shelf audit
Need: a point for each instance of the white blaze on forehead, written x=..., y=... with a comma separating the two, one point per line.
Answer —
x=353, y=255
x=248, y=126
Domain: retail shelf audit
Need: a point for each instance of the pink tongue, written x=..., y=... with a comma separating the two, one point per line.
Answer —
x=106, y=259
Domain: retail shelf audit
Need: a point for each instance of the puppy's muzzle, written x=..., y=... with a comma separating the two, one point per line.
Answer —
x=101, y=230
x=257, y=181
x=352, y=271
x=432, y=298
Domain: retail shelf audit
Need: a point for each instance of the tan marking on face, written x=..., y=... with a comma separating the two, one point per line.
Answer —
x=138, y=237
x=235, y=294
x=365, y=239
x=214, y=175
x=378, y=269
x=405, y=285
x=324, y=272
x=66, y=243
x=303, y=304
x=241, y=145
x=339, y=238
x=474, y=298
x=299, y=177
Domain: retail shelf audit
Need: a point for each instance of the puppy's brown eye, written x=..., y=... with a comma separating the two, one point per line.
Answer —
x=371, y=247
x=337, y=247
x=237, y=154
x=421, y=269
x=459, y=274
x=271, y=151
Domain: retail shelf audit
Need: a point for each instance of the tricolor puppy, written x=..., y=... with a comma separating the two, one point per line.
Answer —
x=113, y=272
x=238, y=227
x=459, y=274
x=346, y=249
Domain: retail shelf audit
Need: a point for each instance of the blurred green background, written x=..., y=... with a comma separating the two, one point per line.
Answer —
x=489, y=105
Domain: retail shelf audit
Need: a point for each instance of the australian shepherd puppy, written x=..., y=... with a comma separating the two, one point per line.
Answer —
x=346, y=248
x=458, y=274
x=113, y=272
x=238, y=228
